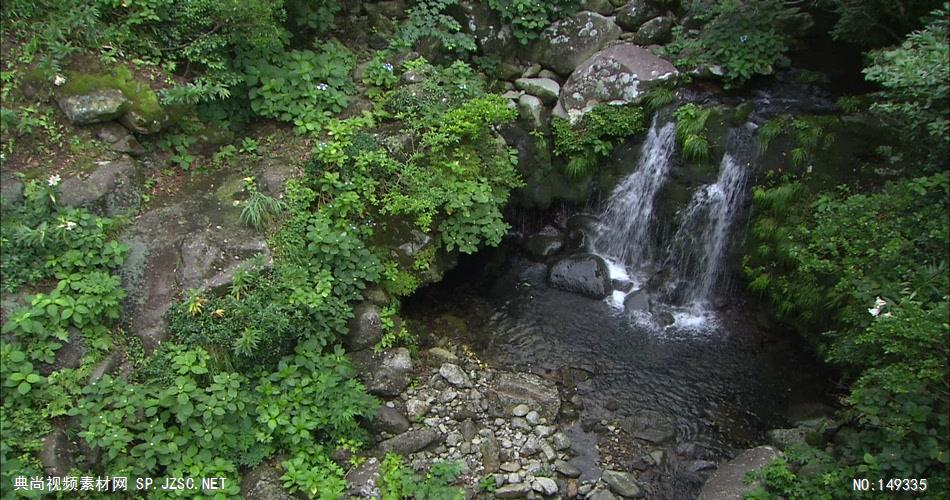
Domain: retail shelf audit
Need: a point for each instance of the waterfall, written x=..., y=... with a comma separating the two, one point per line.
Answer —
x=700, y=248
x=624, y=234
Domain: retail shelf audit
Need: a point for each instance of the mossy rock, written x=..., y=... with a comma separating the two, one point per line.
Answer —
x=143, y=112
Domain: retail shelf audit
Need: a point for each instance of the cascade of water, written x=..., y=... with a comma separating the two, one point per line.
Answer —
x=625, y=224
x=699, y=248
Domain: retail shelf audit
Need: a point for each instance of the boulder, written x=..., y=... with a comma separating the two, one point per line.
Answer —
x=516, y=490
x=530, y=110
x=57, y=454
x=264, y=481
x=410, y=442
x=141, y=124
x=11, y=191
x=492, y=36
x=454, y=375
x=637, y=301
x=784, y=438
x=114, y=187
x=728, y=482
x=585, y=274
x=658, y=30
x=545, y=486
x=619, y=74
x=602, y=7
x=365, y=328
x=565, y=44
x=601, y=494
x=508, y=390
x=622, y=483
x=545, y=89
x=385, y=374
x=362, y=481
x=634, y=13
x=95, y=107
x=541, y=246
x=389, y=420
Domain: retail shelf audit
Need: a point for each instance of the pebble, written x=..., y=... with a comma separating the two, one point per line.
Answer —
x=453, y=439
x=533, y=417
x=560, y=441
x=520, y=423
x=544, y=485
x=547, y=451
x=544, y=430
x=566, y=469
x=506, y=443
x=514, y=478
x=499, y=422
x=520, y=410
x=510, y=467
x=416, y=409
x=432, y=421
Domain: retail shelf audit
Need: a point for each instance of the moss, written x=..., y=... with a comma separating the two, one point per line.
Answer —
x=142, y=99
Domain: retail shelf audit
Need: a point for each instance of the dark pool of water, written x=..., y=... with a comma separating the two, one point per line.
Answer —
x=716, y=382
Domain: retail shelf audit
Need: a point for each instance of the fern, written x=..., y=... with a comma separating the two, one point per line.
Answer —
x=247, y=342
x=768, y=132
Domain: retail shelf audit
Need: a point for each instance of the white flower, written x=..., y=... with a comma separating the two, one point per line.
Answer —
x=322, y=86
x=53, y=180
x=67, y=225
x=388, y=67
x=58, y=80
x=879, y=304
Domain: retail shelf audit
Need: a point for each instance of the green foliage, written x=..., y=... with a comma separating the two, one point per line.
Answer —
x=869, y=272
x=691, y=131
x=744, y=37
x=398, y=482
x=428, y=19
x=876, y=23
x=314, y=15
x=258, y=207
x=303, y=87
x=528, y=18
x=915, y=94
x=379, y=76
x=593, y=137
x=807, y=137
x=658, y=98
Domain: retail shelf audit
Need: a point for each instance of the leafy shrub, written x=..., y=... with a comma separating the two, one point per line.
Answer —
x=303, y=87
x=594, y=135
x=744, y=37
x=398, y=482
x=691, y=131
x=428, y=19
x=529, y=18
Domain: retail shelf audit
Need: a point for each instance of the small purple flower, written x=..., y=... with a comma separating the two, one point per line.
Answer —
x=388, y=67
x=743, y=38
x=322, y=86
x=322, y=145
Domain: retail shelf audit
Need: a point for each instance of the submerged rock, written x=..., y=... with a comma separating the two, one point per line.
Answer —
x=567, y=43
x=585, y=274
x=95, y=107
x=509, y=390
x=619, y=74
x=728, y=482
x=637, y=301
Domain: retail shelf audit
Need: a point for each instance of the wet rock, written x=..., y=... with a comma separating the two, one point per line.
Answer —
x=517, y=490
x=585, y=274
x=616, y=75
x=601, y=494
x=385, y=374
x=655, y=435
x=11, y=191
x=567, y=43
x=438, y=356
x=510, y=389
x=637, y=301
x=545, y=89
x=264, y=481
x=700, y=466
x=491, y=454
x=362, y=481
x=634, y=13
x=530, y=110
x=566, y=469
x=365, y=328
x=95, y=107
x=454, y=375
x=113, y=188
x=540, y=246
x=784, y=438
x=728, y=482
x=545, y=486
x=389, y=420
x=57, y=454
x=664, y=319
x=410, y=442
x=658, y=30
x=622, y=483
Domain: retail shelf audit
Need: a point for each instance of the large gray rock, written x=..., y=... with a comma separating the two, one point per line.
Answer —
x=637, y=301
x=728, y=482
x=602, y=7
x=516, y=490
x=545, y=89
x=655, y=31
x=619, y=74
x=113, y=188
x=141, y=124
x=410, y=442
x=565, y=44
x=454, y=375
x=95, y=107
x=585, y=274
x=363, y=481
x=385, y=374
x=508, y=390
x=57, y=454
x=11, y=191
x=622, y=483
x=492, y=36
x=365, y=328
x=263, y=481
x=634, y=13
x=531, y=111
x=389, y=420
